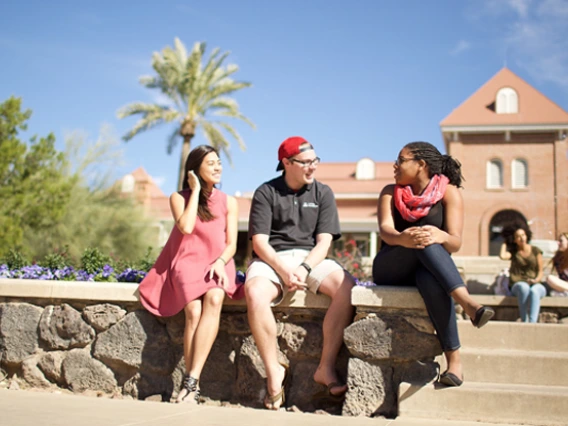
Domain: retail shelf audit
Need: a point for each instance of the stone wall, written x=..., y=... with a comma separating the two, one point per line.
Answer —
x=114, y=347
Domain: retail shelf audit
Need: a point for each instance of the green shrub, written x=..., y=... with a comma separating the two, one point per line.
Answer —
x=56, y=260
x=15, y=259
x=93, y=260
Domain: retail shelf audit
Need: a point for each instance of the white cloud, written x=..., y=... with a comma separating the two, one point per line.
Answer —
x=161, y=99
x=159, y=180
x=461, y=46
x=534, y=35
x=521, y=7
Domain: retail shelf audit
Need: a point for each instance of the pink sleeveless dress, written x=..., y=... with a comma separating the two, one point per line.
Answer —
x=181, y=272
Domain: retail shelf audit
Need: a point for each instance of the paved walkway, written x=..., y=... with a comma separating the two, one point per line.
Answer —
x=34, y=408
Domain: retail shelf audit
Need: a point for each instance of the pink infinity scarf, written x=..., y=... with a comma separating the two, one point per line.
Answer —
x=413, y=207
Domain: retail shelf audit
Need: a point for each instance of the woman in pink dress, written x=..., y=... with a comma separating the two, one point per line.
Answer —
x=195, y=268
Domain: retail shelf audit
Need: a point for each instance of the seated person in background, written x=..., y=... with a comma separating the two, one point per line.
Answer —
x=293, y=220
x=421, y=221
x=559, y=283
x=526, y=270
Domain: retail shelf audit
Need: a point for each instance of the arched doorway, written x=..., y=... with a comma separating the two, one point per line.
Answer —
x=496, y=225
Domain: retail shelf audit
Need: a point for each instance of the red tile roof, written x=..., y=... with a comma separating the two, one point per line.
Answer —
x=534, y=107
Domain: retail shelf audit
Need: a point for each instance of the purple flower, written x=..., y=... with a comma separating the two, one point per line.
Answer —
x=5, y=272
x=364, y=283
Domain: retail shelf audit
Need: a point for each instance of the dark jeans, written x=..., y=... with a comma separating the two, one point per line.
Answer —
x=434, y=273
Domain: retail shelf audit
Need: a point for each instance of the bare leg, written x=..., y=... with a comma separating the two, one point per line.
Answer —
x=259, y=293
x=557, y=284
x=192, y=316
x=206, y=330
x=337, y=286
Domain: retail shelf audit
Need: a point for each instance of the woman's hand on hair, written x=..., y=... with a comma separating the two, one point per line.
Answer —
x=193, y=181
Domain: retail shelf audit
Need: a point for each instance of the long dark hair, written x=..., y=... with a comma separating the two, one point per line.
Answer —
x=508, y=234
x=561, y=257
x=438, y=164
x=194, y=160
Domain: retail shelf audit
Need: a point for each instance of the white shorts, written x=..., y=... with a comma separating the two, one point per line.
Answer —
x=292, y=258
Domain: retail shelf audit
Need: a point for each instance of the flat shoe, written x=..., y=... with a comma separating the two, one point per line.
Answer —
x=450, y=379
x=482, y=316
x=327, y=395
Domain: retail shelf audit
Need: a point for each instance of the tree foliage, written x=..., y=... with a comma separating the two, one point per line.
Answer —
x=198, y=95
x=33, y=188
x=52, y=200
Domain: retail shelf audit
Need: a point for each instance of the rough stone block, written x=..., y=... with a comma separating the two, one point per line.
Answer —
x=32, y=374
x=62, y=327
x=102, y=316
x=302, y=340
x=50, y=363
x=137, y=342
x=18, y=332
x=370, y=390
x=82, y=373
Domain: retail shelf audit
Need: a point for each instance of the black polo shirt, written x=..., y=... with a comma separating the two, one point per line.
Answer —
x=293, y=219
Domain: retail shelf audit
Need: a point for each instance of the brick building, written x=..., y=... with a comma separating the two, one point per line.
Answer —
x=512, y=143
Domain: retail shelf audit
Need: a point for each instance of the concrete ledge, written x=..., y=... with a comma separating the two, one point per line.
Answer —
x=123, y=292
x=74, y=290
x=387, y=297
x=391, y=297
x=511, y=301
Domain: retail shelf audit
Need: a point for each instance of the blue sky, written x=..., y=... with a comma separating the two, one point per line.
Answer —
x=357, y=78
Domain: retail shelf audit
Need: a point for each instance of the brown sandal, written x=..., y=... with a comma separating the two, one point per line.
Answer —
x=328, y=395
x=271, y=400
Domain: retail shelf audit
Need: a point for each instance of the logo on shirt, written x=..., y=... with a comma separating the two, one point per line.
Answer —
x=307, y=205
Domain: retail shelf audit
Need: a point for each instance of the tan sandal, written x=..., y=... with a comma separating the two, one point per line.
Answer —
x=271, y=400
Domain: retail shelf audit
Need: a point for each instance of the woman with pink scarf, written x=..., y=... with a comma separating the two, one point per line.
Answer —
x=420, y=222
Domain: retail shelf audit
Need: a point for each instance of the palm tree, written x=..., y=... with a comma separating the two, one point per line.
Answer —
x=194, y=91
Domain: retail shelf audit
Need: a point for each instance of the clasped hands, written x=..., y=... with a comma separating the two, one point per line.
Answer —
x=419, y=237
x=296, y=279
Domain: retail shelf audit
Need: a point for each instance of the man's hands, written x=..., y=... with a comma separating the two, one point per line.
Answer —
x=296, y=279
x=419, y=237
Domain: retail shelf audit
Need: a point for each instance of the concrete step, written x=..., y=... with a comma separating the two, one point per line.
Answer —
x=515, y=367
x=515, y=336
x=486, y=402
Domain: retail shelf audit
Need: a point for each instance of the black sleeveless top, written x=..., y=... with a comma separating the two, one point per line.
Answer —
x=435, y=217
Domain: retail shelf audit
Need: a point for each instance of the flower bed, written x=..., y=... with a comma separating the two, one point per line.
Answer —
x=68, y=273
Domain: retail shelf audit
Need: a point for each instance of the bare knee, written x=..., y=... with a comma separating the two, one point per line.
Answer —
x=192, y=313
x=259, y=292
x=214, y=299
x=337, y=284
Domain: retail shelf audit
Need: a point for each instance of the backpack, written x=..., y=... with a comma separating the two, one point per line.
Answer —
x=502, y=283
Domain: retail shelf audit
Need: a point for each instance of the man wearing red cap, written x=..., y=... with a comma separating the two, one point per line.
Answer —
x=293, y=221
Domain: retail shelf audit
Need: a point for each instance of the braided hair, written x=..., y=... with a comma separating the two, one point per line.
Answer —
x=438, y=164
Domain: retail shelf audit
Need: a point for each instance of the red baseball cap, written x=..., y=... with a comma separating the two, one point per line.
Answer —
x=290, y=147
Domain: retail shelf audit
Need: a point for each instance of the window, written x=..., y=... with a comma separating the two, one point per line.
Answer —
x=365, y=169
x=519, y=173
x=494, y=174
x=507, y=101
x=128, y=183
